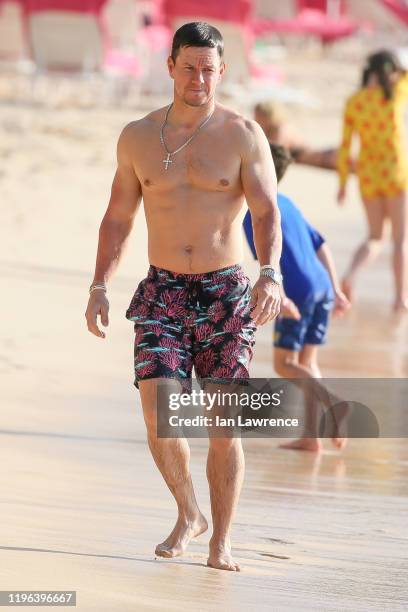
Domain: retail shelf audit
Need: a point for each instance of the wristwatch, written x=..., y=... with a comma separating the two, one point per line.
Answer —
x=271, y=273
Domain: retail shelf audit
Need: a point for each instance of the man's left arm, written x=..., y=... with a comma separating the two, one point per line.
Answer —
x=259, y=184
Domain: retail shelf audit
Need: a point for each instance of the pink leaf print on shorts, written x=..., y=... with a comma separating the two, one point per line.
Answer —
x=149, y=292
x=156, y=329
x=140, y=310
x=216, y=311
x=220, y=291
x=138, y=334
x=167, y=342
x=174, y=303
x=171, y=359
x=147, y=359
x=239, y=276
x=204, y=331
x=221, y=372
x=143, y=355
x=188, y=363
x=176, y=296
x=176, y=311
x=146, y=369
x=230, y=352
x=218, y=339
x=204, y=362
x=241, y=372
x=158, y=312
x=233, y=325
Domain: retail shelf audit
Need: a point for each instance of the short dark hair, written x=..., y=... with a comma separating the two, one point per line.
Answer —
x=197, y=34
x=281, y=159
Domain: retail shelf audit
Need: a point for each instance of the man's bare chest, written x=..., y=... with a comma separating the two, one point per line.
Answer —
x=205, y=164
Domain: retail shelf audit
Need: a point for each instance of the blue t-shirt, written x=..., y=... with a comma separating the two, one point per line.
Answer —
x=305, y=279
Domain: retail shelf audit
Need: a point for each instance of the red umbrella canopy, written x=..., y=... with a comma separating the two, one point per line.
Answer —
x=77, y=6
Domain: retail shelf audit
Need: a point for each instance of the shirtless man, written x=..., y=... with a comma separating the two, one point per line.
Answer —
x=196, y=306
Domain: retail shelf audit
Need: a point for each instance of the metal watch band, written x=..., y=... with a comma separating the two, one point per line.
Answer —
x=275, y=276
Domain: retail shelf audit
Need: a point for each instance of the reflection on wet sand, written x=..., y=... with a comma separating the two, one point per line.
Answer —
x=370, y=342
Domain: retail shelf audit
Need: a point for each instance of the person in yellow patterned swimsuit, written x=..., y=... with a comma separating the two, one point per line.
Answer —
x=375, y=113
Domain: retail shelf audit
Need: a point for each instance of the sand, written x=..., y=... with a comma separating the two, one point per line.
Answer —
x=83, y=506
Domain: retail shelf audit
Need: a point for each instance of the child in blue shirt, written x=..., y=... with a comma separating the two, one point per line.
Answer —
x=310, y=291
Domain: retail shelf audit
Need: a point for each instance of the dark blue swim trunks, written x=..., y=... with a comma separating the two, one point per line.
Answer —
x=310, y=329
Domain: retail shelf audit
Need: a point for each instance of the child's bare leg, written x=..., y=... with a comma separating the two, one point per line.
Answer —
x=308, y=358
x=287, y=364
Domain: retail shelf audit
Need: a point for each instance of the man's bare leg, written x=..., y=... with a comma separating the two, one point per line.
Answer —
x=172, y=457
x=225, y=473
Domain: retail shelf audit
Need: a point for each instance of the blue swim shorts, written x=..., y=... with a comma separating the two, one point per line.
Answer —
x=310, y=329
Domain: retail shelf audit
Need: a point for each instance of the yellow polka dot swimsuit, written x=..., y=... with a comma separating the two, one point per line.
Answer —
x=382, y=166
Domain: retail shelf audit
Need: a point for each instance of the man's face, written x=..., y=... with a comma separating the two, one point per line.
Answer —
x=196, y=73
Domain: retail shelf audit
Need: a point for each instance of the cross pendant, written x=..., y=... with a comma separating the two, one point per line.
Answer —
x=167, y=161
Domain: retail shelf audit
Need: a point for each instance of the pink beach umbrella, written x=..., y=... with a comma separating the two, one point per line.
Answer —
x=75, y=6
x=87, y=14
x=399, y=8
x=122, y=63
x=310, y=21
x=13, y=38
x=53, y=25
x=232, y=11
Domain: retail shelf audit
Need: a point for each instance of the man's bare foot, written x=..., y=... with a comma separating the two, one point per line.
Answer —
x=220, y=556
x=184, y=531
x=347, y=289
x=312, y=445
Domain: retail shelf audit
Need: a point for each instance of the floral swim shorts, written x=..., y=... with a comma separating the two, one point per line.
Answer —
x=186, y=320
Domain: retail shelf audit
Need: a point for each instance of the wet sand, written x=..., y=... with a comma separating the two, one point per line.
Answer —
x=83, y=506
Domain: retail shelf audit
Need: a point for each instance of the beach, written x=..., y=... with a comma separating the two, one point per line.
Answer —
x=83, y=505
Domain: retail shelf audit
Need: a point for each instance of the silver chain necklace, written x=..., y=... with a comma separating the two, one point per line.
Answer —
x=168, y=161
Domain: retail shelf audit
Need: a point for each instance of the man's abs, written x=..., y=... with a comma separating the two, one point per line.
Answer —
x=195, y=236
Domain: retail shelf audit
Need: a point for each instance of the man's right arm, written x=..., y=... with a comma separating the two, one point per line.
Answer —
x=115, y=228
